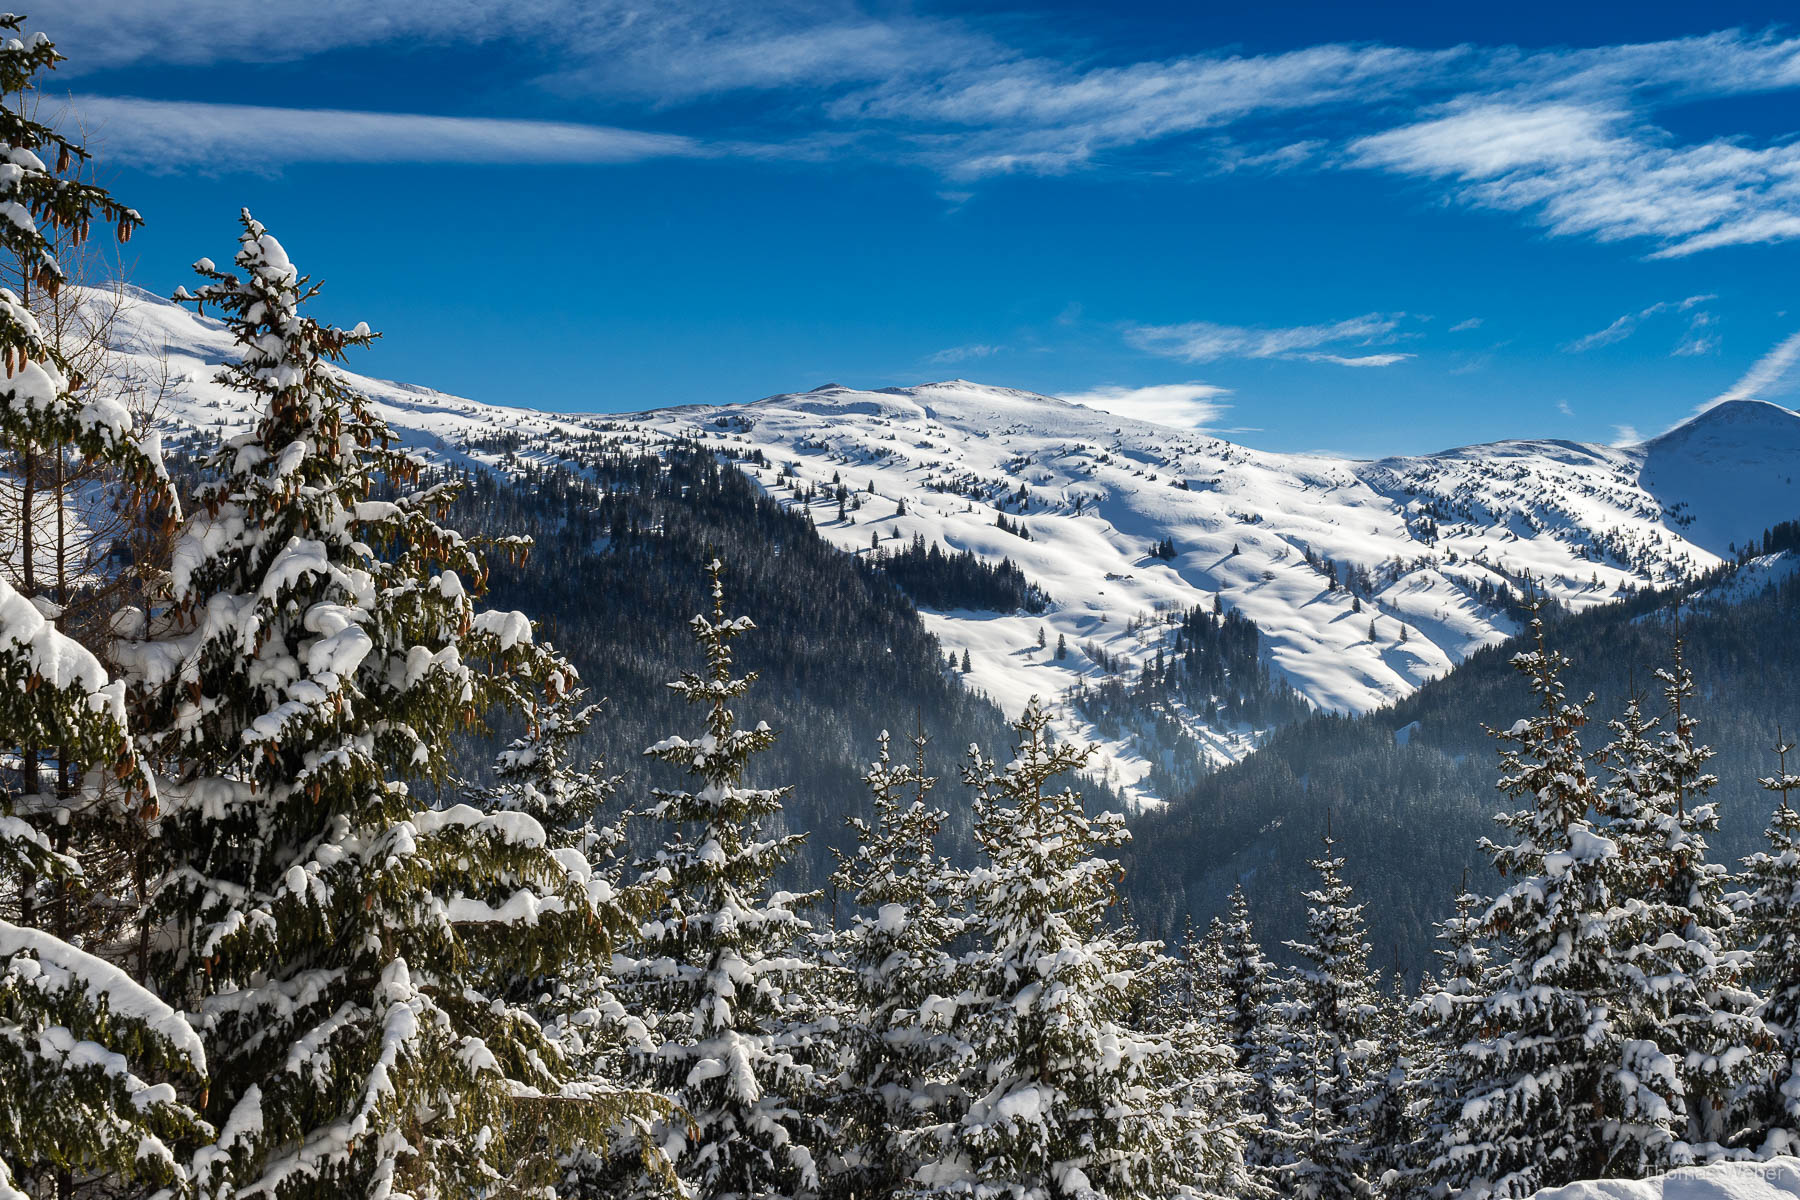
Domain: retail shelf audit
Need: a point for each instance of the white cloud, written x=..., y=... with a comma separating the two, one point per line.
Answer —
x=1182, y=405
x=1564, y=138
x=1626, y=435
x=668, y=50
x=1695, y=341
x=1465, y=325
x=1700, y=337
x=957, y=354
x=1358, y=360
x=1596, y=170
x=1771, y=375
x=1205, y=341
x=172, y=133
x=1562, y=406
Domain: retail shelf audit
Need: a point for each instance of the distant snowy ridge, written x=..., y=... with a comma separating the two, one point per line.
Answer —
x=1433, y=540
x=1776, y=1179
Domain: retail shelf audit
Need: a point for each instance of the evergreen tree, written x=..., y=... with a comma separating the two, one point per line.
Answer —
x=1391, y=1108
x=1065, y=1099
x=1553, y=1091
x=318, y=647
x=1448, y=1013
x=1331, y=1054
x=75, y=807
x=899, y=1049
x=77, y=1034
x=1772, y=923
x=1254, y=1018
x=571, y=998
x=1681, y=972
x=719, y=974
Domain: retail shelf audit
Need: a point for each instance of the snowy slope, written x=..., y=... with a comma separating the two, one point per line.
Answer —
x=1430, y=535
x=1776, y=1179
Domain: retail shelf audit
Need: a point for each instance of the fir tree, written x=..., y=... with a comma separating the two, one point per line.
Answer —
x=1772, y=922
x=1255, y=1028
x=1553, y=1091
x=1682, y=974
x=318, y=647
x=719, y=975
x=1331, y=1052
x=1448, y=1013
x=571, y=996
x=900, y=1052
x=77, y=1034
x=1065, y=1099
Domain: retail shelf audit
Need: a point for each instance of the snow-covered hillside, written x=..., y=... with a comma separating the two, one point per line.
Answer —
x=1424, y=550
x=1776, y=1179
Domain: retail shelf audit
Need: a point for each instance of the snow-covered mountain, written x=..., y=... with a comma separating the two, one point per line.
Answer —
x=1432, y=547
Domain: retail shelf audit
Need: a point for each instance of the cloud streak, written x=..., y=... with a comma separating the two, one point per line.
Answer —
x=1182, y=405
x=1697, y=339
x=168, y=134
x=1771, y=375
x=1206, y=341
x=1565, y=139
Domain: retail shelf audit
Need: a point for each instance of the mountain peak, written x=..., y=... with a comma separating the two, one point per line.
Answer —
x=1748, y=416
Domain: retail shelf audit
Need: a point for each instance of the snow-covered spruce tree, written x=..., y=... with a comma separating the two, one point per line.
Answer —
x=1447, y=1013
x=1553, y=1093
x=569, y=994
x=900, y=1056
x=1332, y=1051
x=1254, y=1027
x=721, y=975
x=319, y=650
x=1771, y=914
x=1683, y=975
x=77, y=1034
x=1065, y=1099
x=1392, y=1108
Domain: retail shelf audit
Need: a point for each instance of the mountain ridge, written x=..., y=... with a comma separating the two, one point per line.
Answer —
x=1365, y=577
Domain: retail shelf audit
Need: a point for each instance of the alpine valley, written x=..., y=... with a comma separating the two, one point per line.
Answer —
x=949, y=550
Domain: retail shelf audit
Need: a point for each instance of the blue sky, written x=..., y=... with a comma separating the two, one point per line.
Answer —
x=1358, y=228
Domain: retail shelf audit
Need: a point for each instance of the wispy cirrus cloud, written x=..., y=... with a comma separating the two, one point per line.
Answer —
x=170, y=134
x=956, y=354
x=1568, y=140
x=1698, y=339
x=1595, y=170
x=1182, y=405
x=1774, y=374
x=1207, y=341
x=668, y=51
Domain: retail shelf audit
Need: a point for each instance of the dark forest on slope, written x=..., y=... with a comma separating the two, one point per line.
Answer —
x=618, y=567
x=1408, y=817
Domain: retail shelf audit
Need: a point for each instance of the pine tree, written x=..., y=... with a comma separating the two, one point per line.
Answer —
x=77, y=1034
x=73, y=1026
x=1448, y=1013
x=1391, y=1107
x=1682, y=973
x=719, y=974
x=1772, y=924
x=572, y=996
x=1256, y=1031
x=1065, y=1099
x=318, y=648
x=1554, y=1092
x=1331, y=1052
x=900, y=1051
